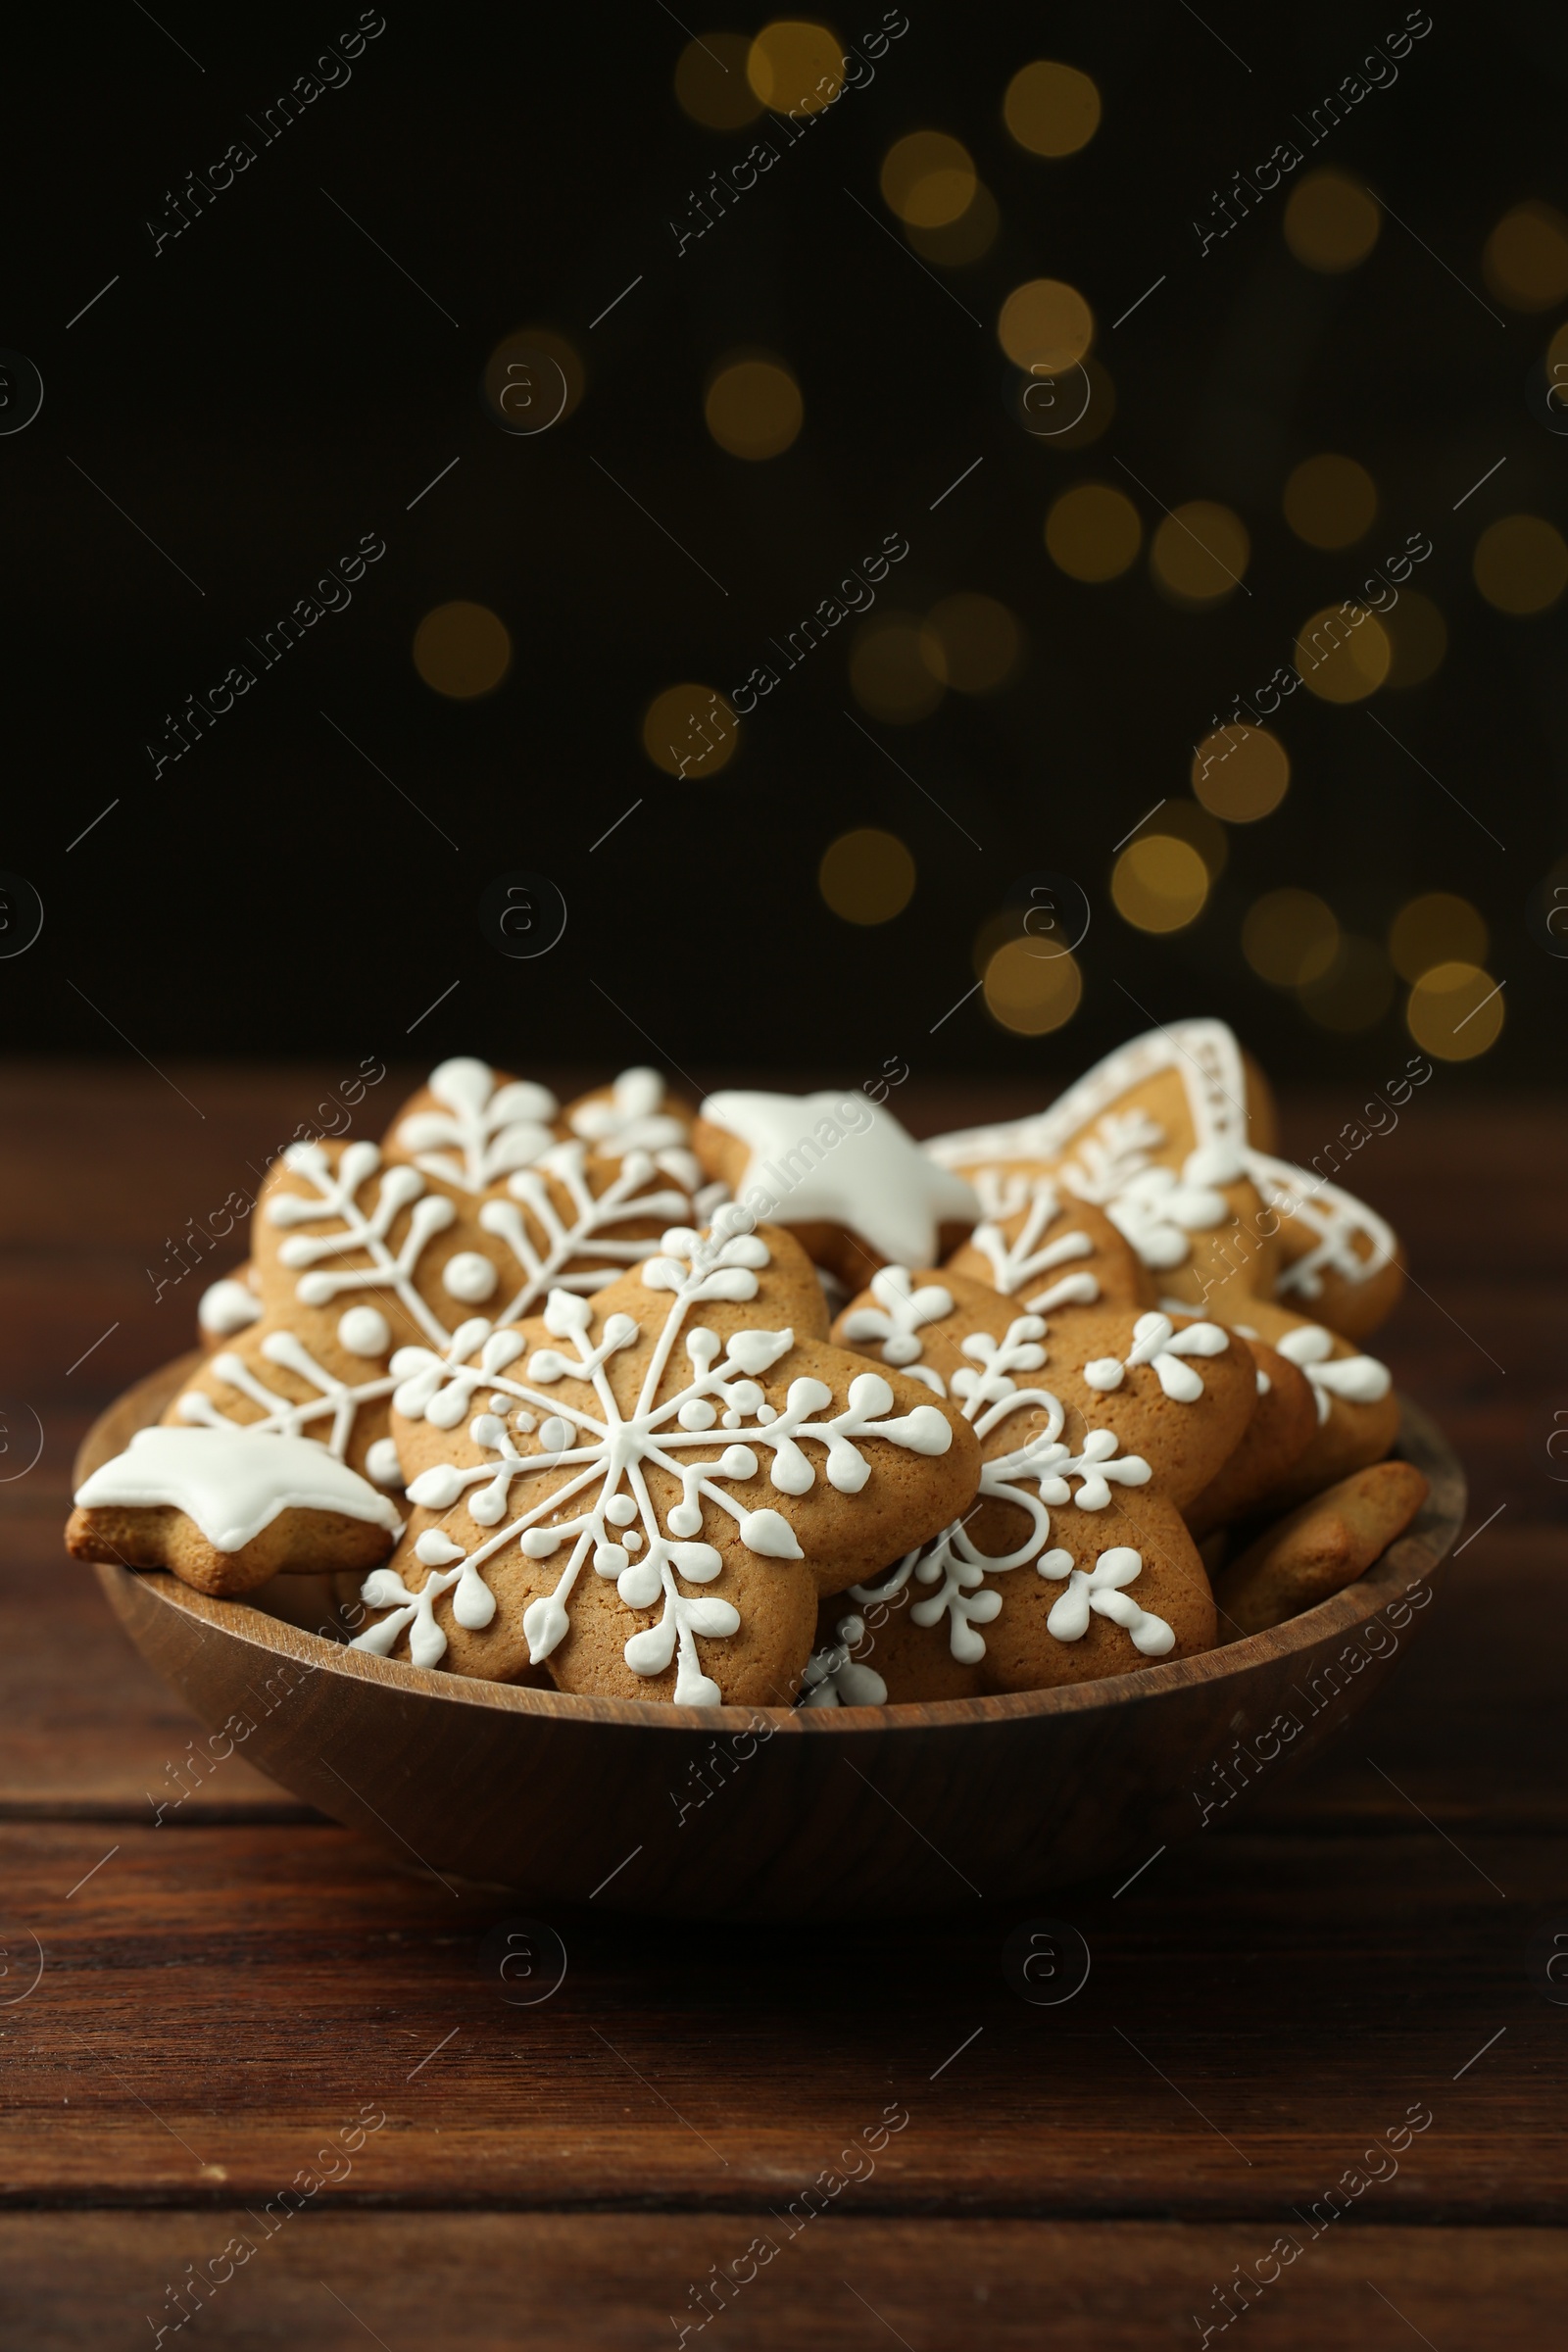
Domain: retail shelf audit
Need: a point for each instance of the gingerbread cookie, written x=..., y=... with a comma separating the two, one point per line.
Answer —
x=1159, y=1128
x=706, y=1462
x=1083, y=1477
x=1046, y=1246
x=853, y=1188
x=1323, y=1546
x=479, y=1210
x=225, y=1513
x=1283, y=1424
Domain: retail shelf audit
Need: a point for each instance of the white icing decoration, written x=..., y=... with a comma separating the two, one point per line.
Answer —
x=365, y=1331
x=227, y=1307
x=493, y=1129
x=231, y=1487
x=1017, y=1262
x=625, y=1198
x=1157, y=1343
x=950, y=1561
x=606, y=1451
x=832, y=1678
x=469, y=1276
x=1103, y=1589
x=382, y=1464
x=1206, y=1058
x=336, y=1400
x=896, y=1321
x=629, y=1118
x=866, y=1174
x=1357, y=1379
x=337, y=1190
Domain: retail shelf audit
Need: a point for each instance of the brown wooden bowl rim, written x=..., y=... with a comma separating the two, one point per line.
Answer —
x=1413, y=1557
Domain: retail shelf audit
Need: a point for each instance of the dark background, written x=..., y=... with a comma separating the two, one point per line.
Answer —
x=270, y=387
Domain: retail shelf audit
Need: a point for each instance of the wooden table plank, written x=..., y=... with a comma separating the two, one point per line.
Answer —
x=488, y=2283
x=212, y=1999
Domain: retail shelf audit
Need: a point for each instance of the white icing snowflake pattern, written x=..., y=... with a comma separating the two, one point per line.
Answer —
x=1157, y=1343
x=483, y=1131
x=351, y=1228
x=1154, y=1208
x=1017, y=1263
x=951, y=1561
x=588, y=1233
x=1358, y=1379
x=607, y=1451
x=335, y=1401
x=897, y=1320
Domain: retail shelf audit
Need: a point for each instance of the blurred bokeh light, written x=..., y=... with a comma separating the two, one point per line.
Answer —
x=929, y=179
x=1526, y=260
x=1439, y=927
x=1521, y=563
x=1330, y=223
x=1343, y=656
x=1045, y=323
x=866, y=876
x=1418, y=635
x=754, y=408
x=1094, y=531
x=1455, y=1011
x=462, y=650
x=972, y=643
x=1199, y=553
x=690, y=730
x=1029, y=993
x=1290, y=937
x=1159, y=883
x=1330, y=501
x=1241, y=773
x=887, y=676
x=1051, y=109
x=796, y=65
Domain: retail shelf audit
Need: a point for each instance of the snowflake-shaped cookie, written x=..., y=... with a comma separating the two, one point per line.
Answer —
x=676, y=1436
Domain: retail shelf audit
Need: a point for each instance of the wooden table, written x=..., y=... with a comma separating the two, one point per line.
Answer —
x=228, y=2000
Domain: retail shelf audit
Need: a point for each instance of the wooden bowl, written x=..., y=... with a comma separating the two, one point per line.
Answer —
x=769, y=1813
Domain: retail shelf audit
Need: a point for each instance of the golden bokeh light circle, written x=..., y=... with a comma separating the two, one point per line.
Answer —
x=1241, y=773
x=1526, y=257
x=1330, y=223
x=796, y=65
x=752, y=407
x=1419, y=636
x=1094, y=532
x=690, y=731
x=711, y=84
x=1343, y=656
x=462, y=650
x=1330, y=501
x=1199, y=553
x=1455, y=1011
x=1031, y=994
x=968, y=238
x=866, y=876
x=1521, y=565
x=1290, y=937
x=928, y=178
x=1159, y=883
x=1045, y=323
x=1052, y=109
x=888, y=677
x=1438, y=927
x=972, y=643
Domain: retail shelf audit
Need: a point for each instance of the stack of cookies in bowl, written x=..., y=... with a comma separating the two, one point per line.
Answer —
x=764, y=1403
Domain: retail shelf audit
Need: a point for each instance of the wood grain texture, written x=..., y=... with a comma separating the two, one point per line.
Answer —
x=488, y=2283
x=224, y=1990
